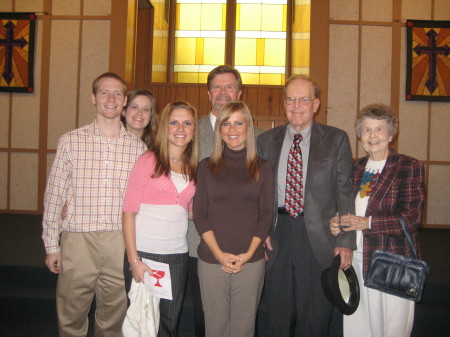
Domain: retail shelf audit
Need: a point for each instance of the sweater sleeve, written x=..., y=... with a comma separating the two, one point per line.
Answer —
x=137, y=182
x=266, y=202
x=200, y=203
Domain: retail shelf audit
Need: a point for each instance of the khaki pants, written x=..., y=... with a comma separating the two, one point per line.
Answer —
x=91, y=265
x=230, y=301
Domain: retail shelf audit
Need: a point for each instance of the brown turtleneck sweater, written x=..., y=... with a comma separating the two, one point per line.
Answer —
x=233, y=205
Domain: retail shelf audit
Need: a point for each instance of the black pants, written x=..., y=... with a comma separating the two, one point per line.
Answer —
x=170, y=310
x=297, y=304
x=194, y=285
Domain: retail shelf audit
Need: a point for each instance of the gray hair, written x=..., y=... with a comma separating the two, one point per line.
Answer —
x=381, y=112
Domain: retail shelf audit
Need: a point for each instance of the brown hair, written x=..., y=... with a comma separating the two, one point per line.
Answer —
x=96, y=82
x=224, y=69
x=216, y=160
x=161, y=145
x=148, y=137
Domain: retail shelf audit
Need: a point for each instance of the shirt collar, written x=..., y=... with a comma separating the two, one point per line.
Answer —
x=306, y=134
x=213, y=119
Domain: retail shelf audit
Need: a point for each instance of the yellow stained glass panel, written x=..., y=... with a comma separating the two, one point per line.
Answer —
x=189, y=16
x=250, y=78
x=185, y=50
x=214, y=51
x=211, y=17
x=245, y=51
x=302, y=21
x=187, y=77
x=300, y=48
x=275, y=52
x=272, y=18
x=272, y=79
x=249, y=16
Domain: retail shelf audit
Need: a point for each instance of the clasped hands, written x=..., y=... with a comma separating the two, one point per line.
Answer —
x=347, y=223
x=231, y=263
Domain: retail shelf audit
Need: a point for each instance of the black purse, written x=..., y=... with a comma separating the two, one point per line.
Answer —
x=397, y=274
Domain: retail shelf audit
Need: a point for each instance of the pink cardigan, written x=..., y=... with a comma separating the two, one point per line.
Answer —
x=143, y=189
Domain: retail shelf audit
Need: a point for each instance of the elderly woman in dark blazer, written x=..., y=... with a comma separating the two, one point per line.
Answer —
x=386, y=183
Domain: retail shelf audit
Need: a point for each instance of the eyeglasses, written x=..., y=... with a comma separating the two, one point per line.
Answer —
x=302, y=101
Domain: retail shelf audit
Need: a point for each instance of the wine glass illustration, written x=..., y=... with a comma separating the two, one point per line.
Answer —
x=158, y=274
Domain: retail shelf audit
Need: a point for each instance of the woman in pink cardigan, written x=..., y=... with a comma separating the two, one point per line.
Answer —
x=157, y=204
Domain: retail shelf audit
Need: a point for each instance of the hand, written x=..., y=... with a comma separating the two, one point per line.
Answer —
x=351, y=222
x=229, y=263
x=346, y=256
x=138, y=270
x=334, y=225
x=267, y=245
x=54, y=262
x=64, y=212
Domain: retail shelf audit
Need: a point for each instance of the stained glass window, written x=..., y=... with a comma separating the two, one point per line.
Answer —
x=260, y=36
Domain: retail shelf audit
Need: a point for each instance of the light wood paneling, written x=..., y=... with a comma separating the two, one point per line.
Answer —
x=344, y=10
x=25, y=107
x=416, y=10
x=97, y=7
x=66, y=7
x=3, y=180
x=94, y=61
x=439, y=137
x=371, y=10
x=438, y=212
x=6, y=5
x=4, y=117
x=64, y=54
x=376, y=53
x=343, y=84
x=441, y=9
x=24, y=181
x=29, y=5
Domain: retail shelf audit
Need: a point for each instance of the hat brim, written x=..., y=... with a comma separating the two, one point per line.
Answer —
x=341, y=287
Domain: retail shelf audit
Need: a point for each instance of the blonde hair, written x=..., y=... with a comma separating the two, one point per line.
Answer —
x=216, y=159
x=160, y=147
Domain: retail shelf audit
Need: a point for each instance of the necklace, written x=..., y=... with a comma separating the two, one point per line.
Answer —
x=175, y=159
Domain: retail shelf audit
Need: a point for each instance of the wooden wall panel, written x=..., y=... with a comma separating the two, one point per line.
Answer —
x=4, y=117
x=438, y=210
x=371, y=10
x=24, y=181
x=63, y=86
x=6, y=5
x=94, y=61
x=344, y=10
x=29, y=5
x=66, y=7
x=3, y=180
x=25, y=107
x=439, y=139
x=97, y=7
x=265, y=102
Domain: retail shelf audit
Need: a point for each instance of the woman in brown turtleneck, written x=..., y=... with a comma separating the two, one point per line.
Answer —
x=233, y=214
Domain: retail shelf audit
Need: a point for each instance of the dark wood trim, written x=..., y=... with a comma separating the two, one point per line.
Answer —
x=319, y=54
x=289, y=23
x=118, y=41
x=171, y=42
x=230, y=32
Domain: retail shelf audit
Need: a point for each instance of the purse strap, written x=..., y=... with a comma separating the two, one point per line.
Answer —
x=407, y=235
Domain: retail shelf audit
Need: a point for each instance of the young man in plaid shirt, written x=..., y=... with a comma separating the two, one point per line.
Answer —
x=89, y=174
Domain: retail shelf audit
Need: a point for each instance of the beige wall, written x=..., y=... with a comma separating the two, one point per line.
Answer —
x=367, y=64
x=73, y=46
x=79, y=39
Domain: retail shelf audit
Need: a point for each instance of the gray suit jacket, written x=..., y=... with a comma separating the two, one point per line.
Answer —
x=206, y=134
x=328, y=187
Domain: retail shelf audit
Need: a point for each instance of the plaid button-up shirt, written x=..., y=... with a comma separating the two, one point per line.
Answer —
x=90, y=173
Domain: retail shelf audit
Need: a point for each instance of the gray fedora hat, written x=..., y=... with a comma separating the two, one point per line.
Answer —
x=341, y=287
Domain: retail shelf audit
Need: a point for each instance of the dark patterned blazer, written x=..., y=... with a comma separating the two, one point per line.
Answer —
x=400, y=189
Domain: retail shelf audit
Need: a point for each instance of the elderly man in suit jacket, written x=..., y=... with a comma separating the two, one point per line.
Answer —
x=301, y=243
x=224, y=84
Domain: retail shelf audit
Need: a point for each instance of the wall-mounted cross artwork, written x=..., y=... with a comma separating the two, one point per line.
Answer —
x=17, y=33
x=428, y=60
